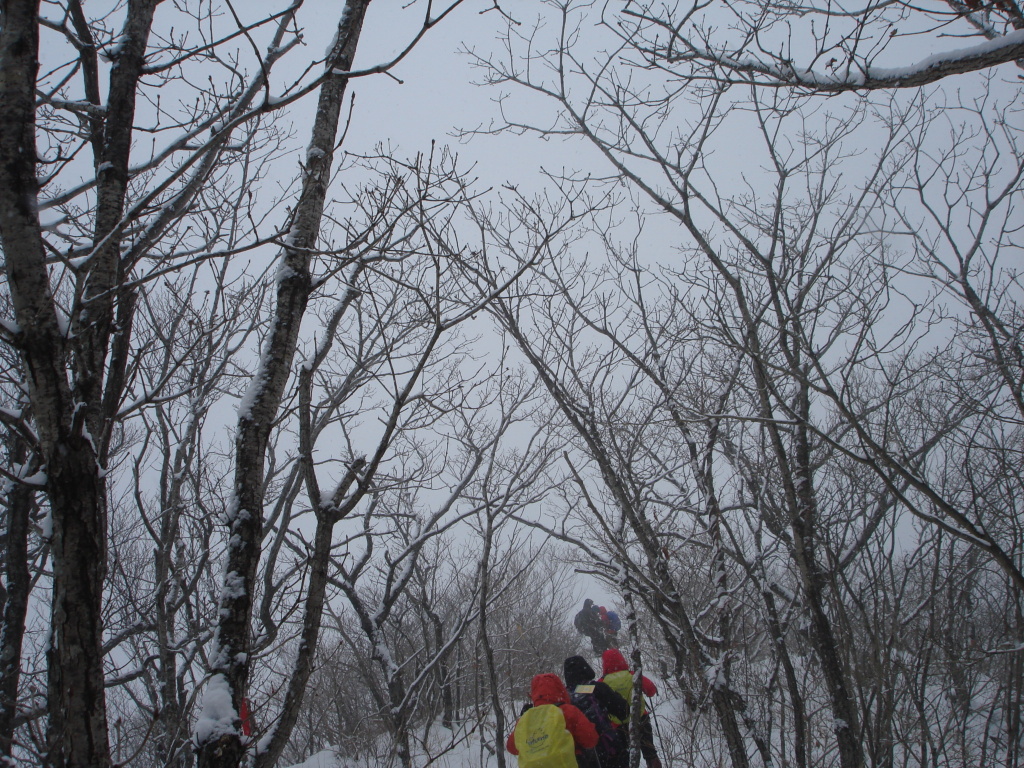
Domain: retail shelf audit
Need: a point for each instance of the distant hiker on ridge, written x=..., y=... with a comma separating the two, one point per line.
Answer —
x=589, y=622
x=611, y=622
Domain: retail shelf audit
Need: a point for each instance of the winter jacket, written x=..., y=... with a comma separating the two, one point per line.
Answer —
x=588, y=621
x=618, y=676
x=549, y=689
x=577, y=671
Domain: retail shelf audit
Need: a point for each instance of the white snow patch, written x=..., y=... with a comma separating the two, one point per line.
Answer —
x=264, y=743
x=218, y=716
x=50, y=225
x=249, y=398
x=326, y=759
x=330, y=46
x=959, y=54
x=284, y=272
x=715, y=675
x=234, y=586
x=290, y=236
x=38, y=479
x=16, y=414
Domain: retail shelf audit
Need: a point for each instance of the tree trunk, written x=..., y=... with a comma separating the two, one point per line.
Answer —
x=485, y=642
x=257, y=415
x=308, y=642
x=77, y=733
x=792, y=684
x=171, y=736
x=17, y=583
x=846, y=723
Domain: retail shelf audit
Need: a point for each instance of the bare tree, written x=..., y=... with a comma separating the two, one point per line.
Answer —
x=818, y=47
x=97, y=218
x=158, y=625
x=22, y=554
x=74, y=289
x=826, y=408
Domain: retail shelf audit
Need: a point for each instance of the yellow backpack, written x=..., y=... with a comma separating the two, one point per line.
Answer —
x=622, y=683
x=542, y=739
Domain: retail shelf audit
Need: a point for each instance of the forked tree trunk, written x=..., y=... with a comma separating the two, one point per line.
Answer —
x=78, y=732
x=69, y=412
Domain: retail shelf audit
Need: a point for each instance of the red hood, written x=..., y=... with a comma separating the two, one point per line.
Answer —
x=548, y=689
x=613, y=661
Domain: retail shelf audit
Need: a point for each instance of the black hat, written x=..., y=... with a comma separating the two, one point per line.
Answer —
x=576, y=670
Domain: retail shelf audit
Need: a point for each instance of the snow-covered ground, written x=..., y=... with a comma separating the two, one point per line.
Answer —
x=468, y=753
x=471, y=753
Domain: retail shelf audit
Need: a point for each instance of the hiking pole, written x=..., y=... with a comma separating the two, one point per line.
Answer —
x=657, y=727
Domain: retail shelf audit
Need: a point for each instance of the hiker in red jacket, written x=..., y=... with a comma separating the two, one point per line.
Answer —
x=619, y=677
x=549, y=689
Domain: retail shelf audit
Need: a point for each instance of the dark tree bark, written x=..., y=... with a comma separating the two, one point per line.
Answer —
x=485, y=643
x=17, y=583
x=78, y=726
x=804, y=551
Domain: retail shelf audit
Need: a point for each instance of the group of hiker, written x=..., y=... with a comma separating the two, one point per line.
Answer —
x=583, y=722
x=599, y=624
